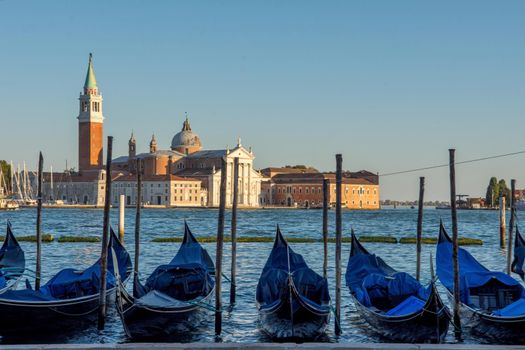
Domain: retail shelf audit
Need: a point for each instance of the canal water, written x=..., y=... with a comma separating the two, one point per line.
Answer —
x=240, y=325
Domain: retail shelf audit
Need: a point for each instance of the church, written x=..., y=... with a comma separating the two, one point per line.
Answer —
x=183, y=175
x=187, y=159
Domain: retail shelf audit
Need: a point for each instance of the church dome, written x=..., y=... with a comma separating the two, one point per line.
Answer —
x=186, y=141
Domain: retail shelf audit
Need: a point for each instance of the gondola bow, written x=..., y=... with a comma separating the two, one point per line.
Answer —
x=172, y=300
x=293, y=301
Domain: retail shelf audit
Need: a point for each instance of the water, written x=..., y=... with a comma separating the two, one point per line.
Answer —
x=240, y=325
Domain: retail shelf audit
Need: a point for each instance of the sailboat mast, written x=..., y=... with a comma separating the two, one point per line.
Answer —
x=12, y=177
x=18, y=185
x=24, y=182
x=51, y=191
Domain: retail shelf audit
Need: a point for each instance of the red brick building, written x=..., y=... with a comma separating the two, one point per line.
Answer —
x=360, y=190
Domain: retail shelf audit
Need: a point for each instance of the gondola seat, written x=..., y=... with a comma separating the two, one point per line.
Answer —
x=517, y=308
x=387, y=292
x=407, y=306
x=182, y=282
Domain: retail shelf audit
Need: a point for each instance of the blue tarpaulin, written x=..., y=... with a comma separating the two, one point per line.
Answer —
x=374, y=283
x=472, y=274
x=273, y=283
x=70, y=283
x=188, y=276
x=517, y=308
x=409, y=305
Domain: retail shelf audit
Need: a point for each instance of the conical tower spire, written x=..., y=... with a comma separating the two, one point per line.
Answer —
x=91, y=81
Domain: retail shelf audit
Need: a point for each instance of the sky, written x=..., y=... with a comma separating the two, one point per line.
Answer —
x=391, y=85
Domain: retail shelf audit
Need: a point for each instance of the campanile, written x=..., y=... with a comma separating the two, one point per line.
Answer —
x=90, y=124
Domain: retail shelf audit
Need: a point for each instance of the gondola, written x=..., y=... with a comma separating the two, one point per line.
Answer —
x=67, y=301
x=12, y=261
x=292, y=300
x=394, y=303
x=492, y=304
x=174, y=296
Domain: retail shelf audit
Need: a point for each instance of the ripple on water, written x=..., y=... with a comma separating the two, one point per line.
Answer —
x=240, y=325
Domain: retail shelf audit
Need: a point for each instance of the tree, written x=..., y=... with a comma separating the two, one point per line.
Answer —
x=492, y=192
x=504, y=191
x=6, y=173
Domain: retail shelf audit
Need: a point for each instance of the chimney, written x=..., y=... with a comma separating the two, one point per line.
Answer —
x=170, y=166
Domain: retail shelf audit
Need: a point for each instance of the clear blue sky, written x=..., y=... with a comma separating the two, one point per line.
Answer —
x=390, y=84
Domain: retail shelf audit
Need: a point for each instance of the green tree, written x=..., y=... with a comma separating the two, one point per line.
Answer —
x=6, y=173
x=504, y=191
x=492, y=192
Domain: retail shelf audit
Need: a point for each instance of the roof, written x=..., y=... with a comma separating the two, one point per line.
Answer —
x=208, y=154
x=133, y=178
x=159, y=153
x=195, y=172
x=91, y=81
x=276, y=170
x=71, y=176
x=316, y=178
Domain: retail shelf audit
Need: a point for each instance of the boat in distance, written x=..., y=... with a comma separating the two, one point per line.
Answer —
x=492, y=303
x=293, y=301
x=174, y=297
x=67, y=301
x=394, y=303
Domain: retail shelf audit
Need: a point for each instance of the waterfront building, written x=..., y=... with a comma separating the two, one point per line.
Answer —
x=205, y=165
x=187, y=159
x=292, y=188
x=183, y=175
x=162, y=190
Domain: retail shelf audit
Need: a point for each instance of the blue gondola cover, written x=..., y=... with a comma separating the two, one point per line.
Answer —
x=471, y=273
x=188, y=276
x=274, y=278
x=70, y=283
x=374, y=283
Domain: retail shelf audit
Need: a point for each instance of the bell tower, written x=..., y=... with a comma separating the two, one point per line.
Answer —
x=90, y=124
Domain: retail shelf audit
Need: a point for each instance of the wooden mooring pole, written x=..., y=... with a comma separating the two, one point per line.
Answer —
x=502, y=222
x=218, y=254
x=137, y=220
x=325, y=227
x=419, y=226
x=38, y=272
x=338, y=241
x=105, y=241
x=234, y=229
x=121, y=217
x=510, y=241
x=455, y=248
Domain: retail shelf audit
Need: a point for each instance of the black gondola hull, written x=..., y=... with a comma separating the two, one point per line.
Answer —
x=308, y=323
x=39, y=317
x=503, y=330
x=429, y=325
x=148, y=322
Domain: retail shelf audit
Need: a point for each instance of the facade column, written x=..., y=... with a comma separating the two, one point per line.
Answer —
x=249, y=185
